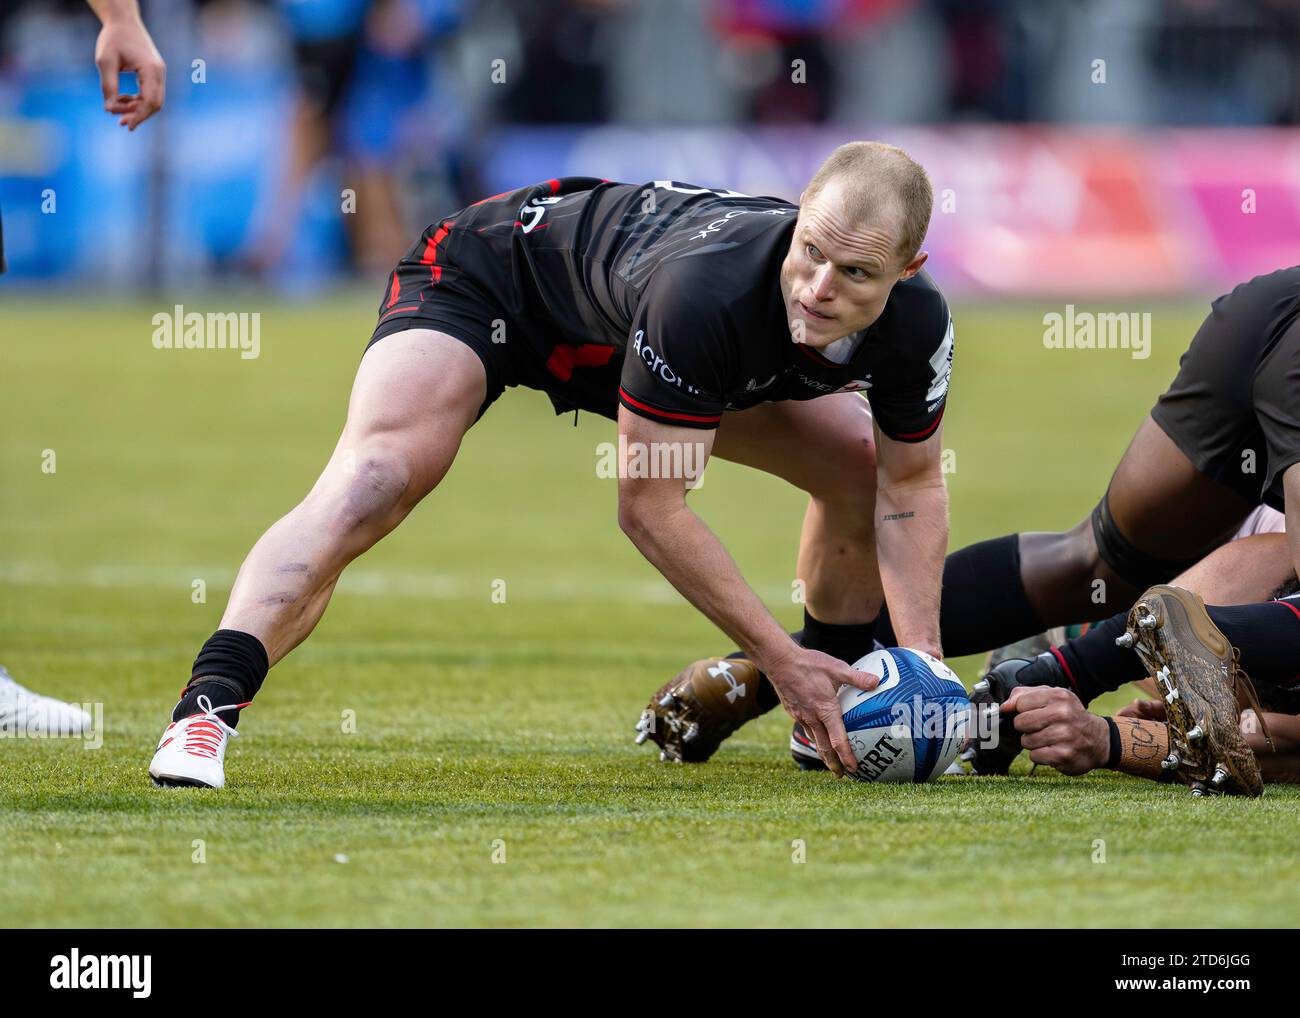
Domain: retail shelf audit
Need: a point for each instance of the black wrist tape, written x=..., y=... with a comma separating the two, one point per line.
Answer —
x=1116, y=747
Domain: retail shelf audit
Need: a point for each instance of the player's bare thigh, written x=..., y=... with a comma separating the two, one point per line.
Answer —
x=1165, y=506
x=824, y=446
x=415, y=395
x=1161, y=505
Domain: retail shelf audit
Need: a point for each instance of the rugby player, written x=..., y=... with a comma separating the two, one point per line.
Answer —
x=123, y=45
x=1265, y=635
x=1224, y=439
x=1213, y=727
x=747, y=327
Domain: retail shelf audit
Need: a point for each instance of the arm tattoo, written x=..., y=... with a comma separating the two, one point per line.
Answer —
x=1143, y=745
x=1142, y=740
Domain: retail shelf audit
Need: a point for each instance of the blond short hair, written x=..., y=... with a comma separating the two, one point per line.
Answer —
x=880, y=178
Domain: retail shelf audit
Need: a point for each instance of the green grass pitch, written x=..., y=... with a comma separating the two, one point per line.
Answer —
x=504, y=730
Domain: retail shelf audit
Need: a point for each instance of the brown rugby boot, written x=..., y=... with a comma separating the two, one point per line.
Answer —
x=689, y=717
x=1196, y=671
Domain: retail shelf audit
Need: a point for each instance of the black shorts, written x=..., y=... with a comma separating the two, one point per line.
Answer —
x=1234, y=407
x=429, y=289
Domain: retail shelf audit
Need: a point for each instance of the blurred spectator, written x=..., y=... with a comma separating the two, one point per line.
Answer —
x=361, y=72
x=779, y=50
x=976, y=59
x=399, y=101
x=566, y=48
x=1227, y=61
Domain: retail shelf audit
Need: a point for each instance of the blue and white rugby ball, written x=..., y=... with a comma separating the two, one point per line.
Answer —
x=912, y=726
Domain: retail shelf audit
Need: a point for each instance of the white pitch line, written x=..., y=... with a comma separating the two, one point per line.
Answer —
x=362, y=582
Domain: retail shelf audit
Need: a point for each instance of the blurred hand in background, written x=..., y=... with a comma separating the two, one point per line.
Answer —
x=124, y=45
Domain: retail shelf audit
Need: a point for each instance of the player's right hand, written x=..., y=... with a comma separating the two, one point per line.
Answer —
x=808, y=683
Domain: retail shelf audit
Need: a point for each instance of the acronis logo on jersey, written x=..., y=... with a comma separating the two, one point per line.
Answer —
x=655, y=363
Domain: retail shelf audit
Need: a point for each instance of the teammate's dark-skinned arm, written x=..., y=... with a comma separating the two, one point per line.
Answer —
x=912, y=536
x=654, y=515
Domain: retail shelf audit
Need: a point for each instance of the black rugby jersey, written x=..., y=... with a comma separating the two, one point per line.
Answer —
x=684, y=282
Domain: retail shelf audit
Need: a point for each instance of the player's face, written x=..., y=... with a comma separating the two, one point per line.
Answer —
x=837, y=276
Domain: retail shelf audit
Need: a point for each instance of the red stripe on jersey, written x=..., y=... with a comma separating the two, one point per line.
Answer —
x=564, y=359
x=490, y=198
x=430, y=256
x=404, y=307
x=927, y=432
x=395, y=291
x=711, y=419
x=553, y=184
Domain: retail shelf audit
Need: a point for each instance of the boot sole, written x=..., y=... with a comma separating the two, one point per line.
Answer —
x=1191, y=702
x=174, y=781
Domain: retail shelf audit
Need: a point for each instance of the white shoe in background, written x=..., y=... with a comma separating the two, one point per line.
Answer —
x=21, y=710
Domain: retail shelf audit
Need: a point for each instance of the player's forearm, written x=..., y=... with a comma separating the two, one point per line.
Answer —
x=911, y=542
x=1143, y=746
x=682, y=547
x=115, y=10
x=1278, y=754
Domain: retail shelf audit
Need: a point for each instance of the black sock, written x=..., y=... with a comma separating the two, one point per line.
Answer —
x=219, y=692
x=1095, y=665
x=846, y=642
x=984, y=603
x=1266, y=634
x=766, y=698
x=885, y=628
x=1268, y=637
x=229, y=670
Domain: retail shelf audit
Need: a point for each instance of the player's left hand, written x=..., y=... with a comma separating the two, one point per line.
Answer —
x=1058, y=730
x=1147, y=710
x=124, y=45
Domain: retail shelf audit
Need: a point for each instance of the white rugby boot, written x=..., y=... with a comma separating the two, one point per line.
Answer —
x=22, y=711
x=192, y=751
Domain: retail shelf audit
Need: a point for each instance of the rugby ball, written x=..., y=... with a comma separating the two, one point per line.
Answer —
x=910, y=727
